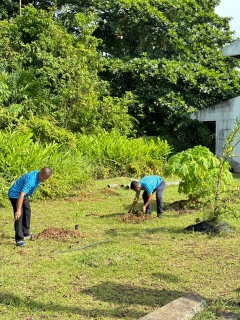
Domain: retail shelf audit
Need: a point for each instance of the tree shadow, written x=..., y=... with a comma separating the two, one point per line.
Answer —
x=113, y=232
x=172, y=230
x=32, y=306
x=124, y=296
x=112, y=215
x=132, y=295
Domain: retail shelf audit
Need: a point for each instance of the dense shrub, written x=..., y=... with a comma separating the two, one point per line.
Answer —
x=113, y=154
x=198, y=169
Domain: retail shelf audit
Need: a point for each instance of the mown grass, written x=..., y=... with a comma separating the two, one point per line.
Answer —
x=116, y=269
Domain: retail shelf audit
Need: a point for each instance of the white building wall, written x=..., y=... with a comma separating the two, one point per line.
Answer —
x=232, y=50
x=225, y=115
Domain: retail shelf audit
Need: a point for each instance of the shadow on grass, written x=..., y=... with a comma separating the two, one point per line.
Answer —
x=114, y=232
x=125, y=296
x=128, y=294
x=115, y=214
x=171, y=230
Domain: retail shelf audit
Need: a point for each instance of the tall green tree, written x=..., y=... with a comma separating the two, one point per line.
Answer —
x=12, y=8
x=8, y=9
x=51, y=73
x=168, y=53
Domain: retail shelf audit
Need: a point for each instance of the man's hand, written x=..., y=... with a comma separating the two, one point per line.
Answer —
x=19, y=206
x=17, y=215
x=144, y=208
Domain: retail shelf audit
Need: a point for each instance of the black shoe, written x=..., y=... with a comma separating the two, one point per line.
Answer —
x=159, y=215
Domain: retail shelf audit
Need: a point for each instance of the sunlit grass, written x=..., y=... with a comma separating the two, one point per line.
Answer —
x=115, y=270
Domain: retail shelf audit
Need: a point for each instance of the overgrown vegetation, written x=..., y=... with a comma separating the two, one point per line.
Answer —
x=133, y=66
x=205, y=176
x=84, y=158
x=77, y=90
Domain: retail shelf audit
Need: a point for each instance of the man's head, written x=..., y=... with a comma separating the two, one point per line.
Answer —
x=135, y=186
x=44, y=174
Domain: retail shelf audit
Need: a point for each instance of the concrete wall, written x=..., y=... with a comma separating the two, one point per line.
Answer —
x=225, y=115
x=232, y=50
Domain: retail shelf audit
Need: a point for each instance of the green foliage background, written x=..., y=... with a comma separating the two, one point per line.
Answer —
x=82, y=84
x=140, y=67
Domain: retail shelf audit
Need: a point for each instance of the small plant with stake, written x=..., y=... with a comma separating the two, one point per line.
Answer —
x=76, y=216
x=204, y=176
x=218, y=207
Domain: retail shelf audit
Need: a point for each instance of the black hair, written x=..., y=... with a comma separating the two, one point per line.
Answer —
x=46, y=170
x=134, y=185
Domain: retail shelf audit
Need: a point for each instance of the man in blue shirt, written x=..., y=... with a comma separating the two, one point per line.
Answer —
x=149, y=185
x=18, y=195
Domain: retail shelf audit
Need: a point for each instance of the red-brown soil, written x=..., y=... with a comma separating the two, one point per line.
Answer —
x=59, y=233
x=136, y=217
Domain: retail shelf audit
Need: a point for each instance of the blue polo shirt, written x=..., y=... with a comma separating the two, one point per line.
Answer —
x=149, y=183
x=28, y=183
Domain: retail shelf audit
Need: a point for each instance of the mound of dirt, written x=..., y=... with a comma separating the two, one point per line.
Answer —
x=207, y=226
x=136, y=217
x=59, y=233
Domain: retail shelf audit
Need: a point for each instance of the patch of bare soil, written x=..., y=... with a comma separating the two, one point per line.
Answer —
x=184, y=206
x=59, y=233
x=110, y=191
x=136, y=217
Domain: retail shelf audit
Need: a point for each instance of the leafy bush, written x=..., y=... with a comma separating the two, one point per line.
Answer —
x=71, y=172
x=198, y=168
x=46, y=131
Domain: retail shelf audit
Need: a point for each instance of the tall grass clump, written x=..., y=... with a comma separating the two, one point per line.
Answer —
x=115, y=155
x=74, y=165
x=71, y=173
x=20, y=154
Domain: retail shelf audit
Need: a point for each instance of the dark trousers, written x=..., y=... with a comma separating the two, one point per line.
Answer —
x=22, y=226
x=159, y=191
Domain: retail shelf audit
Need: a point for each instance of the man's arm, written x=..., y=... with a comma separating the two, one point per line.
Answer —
x=19, y=206
x=144, y=208
x=136, y=199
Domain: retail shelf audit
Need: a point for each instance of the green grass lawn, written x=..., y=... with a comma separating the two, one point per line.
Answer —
x=112, y=267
